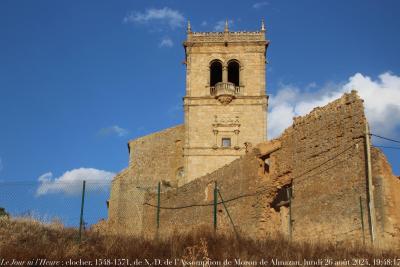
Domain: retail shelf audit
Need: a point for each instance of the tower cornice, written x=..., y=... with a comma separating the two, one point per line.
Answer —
x=222, y=37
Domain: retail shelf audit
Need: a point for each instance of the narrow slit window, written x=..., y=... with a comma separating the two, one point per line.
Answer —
x=267, y=163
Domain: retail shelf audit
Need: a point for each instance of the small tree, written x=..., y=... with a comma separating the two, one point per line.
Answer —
x=4, y=213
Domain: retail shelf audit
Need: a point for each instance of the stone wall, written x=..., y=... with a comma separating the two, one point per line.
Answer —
x=209, y=123
x=387, y=200
x=190, y=206
x=152, y=158
x=321, y=158
x=157, y=156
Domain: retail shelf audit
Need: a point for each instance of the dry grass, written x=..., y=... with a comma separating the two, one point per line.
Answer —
x=29, y=239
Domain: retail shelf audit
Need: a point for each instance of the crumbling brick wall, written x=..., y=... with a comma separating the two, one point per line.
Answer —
x=191, y=205
x=387, y=200
x=323, y=196
x=322, y=157
x=152, y=158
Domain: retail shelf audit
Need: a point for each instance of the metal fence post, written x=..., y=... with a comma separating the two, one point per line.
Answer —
x=82, y=204
x=229, y=215
x=158, y=205
x=215, y=205
x=362, y=221
x=371, y=205
x=289, y=196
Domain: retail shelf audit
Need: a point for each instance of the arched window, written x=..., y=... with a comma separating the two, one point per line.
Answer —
x=215, y=72
x=233, y=72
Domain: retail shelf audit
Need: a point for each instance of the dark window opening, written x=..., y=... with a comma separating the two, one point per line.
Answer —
x=226, y=142
x=233, y=73
x=267, y=163
x=282, y=197
x=215, y=73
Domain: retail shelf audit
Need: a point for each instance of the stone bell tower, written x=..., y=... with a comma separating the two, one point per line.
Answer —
x=226, y=102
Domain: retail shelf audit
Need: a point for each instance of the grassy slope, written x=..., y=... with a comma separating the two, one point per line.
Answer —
x=27, y=239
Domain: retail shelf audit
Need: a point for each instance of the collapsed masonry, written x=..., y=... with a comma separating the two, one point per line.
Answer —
x=321, y=160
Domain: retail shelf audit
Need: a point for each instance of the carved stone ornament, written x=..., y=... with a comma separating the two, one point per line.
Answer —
x=225, y=99
x=225, y=92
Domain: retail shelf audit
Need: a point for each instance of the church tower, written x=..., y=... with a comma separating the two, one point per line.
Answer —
x=225, y=103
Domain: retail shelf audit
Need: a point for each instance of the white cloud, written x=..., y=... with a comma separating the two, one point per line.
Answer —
x=204, y=23
x=113, y=130
x=71, y=181
x=172, y=18
x=166, y=42
x=381, y=101
x=220, y=25
x=260, y=4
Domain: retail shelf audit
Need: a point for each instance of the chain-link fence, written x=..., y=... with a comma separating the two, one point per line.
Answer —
x=235, y=207
x=232, y=215
x=316, y=203
x=83, y=204
x=213, y=213
x=78, y=204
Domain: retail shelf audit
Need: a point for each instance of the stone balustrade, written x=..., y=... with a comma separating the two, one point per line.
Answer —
x=224, y=88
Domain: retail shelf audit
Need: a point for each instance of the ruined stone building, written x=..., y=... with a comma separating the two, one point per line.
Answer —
x=319, y=180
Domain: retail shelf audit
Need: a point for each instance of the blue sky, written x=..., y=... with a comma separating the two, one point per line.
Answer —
x=78, y=79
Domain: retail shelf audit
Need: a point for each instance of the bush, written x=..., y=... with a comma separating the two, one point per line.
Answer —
x=3, y=213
